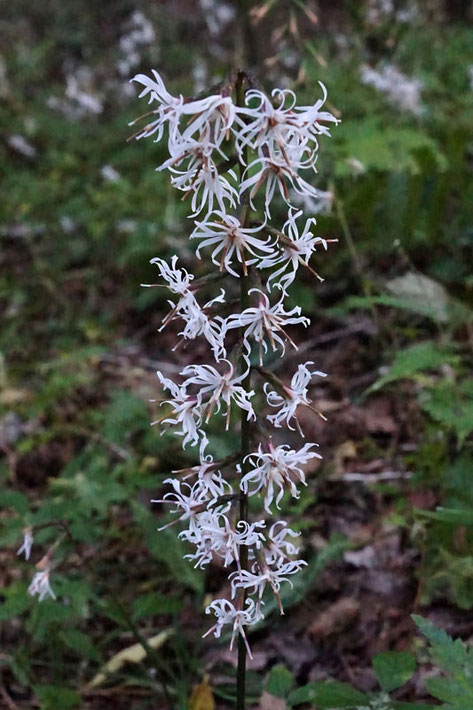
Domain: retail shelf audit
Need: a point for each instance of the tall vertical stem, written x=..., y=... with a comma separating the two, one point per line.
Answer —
x=245, y=424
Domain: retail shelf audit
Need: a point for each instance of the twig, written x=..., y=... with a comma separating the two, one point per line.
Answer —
x=354, y=477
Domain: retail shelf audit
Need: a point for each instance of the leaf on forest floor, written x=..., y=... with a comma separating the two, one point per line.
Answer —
x=335, y=618
x=270, y=702
x=425, y=296
x=133, y=654
x=202, y=697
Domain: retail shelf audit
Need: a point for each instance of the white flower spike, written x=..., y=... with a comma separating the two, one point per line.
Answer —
x=275, y=143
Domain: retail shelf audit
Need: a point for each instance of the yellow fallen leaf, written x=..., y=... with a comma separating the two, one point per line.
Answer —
x=132, y=654
x=202, y=697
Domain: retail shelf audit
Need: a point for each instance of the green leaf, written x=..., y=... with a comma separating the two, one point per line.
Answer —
x=280, y=681
x=448, y=654
x=80, y=643
x=16, y=601
x=451, y=404
x=328, y=694
x=126, y=415
x=154, y=603
x=447, y=689
x=393, y=669
x=15, y=500
x=455, y=516
x=410, y=361
x=55, y=697
x=168, y=548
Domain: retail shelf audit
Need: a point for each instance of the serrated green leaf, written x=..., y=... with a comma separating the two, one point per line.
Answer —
x=280, y=681
x=448, y=690
x=393, y=669
x=328, y=694
x=451, y=405
x=168, y=548
x=450, y=655
x=418, y=358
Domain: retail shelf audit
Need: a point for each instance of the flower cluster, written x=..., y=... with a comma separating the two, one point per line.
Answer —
x=273, y=142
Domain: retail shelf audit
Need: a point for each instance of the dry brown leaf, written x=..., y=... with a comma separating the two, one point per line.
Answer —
x=202, y=697
x=335, y=618
x=271, y=702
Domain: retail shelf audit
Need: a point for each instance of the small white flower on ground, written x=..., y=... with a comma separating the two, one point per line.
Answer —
x=40, y=585
x=27, y=543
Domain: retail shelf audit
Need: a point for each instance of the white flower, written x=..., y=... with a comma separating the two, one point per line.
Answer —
x=292, y=397
x=226, y=613
x=198, y=536
x=280, y=130
x=201, y=177
x=169, y=110
x=276, y=173
x=40, y=585
x=223, y=538
x=212, y=119
x=186, y=413
x=189, y=501
x=270, y=125
x=27, y=543
x=313, y=120
x=278, y=467
x=229, y=238
x=295, y=249
x=206, y=471
x=262, y=574
x=179, y=281
x=266, y=321
x=214, y=387
x=198, y=323
x=212, y=115
x=277, y=546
